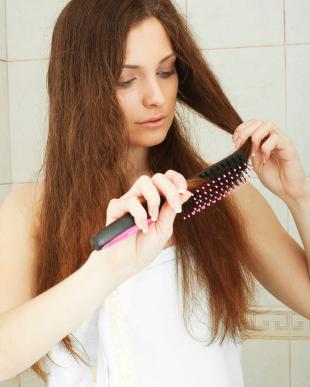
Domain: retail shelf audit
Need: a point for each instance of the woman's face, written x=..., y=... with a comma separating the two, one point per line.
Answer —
x=153, y=83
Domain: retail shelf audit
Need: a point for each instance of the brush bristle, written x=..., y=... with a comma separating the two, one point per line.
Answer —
x=216, y=182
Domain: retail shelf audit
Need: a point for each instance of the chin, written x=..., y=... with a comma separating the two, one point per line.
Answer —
x=150, y=138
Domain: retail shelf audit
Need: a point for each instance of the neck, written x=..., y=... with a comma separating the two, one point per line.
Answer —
x=137, y=161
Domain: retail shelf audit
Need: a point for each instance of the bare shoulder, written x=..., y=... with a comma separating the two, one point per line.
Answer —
x=17, y=245
x=26, y=200
x=19, y=215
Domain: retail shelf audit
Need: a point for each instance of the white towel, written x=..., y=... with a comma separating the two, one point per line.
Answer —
x=74, y=373
x=137, y=338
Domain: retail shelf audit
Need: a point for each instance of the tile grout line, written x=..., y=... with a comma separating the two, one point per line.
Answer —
x=6, y=31
x=285, y=121
x=16, y=182
x=285, y=97
x=8, y=89
x=256, y=46
x=203, y=48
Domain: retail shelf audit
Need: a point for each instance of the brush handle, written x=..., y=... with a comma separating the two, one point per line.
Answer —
x=119, y=230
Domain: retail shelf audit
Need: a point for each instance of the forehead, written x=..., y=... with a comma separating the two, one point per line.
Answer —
x=147, y=43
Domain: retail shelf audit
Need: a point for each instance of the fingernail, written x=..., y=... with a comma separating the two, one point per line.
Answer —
x=182, y=189
x=253, y=150
x=145, y=227
x=177, y=206
x=189, y=193
x=178, y=209
x=154, y=214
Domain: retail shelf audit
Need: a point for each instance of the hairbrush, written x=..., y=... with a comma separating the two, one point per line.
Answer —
x=207, y=186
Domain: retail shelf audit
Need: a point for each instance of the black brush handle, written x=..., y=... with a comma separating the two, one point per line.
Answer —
x=116, y=228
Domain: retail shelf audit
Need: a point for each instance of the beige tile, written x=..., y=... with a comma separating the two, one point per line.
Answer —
x=28, y=117
x=29, y=27
x=14, y=382
x=226, y=23
x=297, y=16
x=298, y=97
x=28, y=378
x=300, y=363
x=3, y=54
x=180, y=5
x=16, y=185
x=293, y=230
x=211, y=142
x=5, y=142
x=300, y=327
x=265, y=298
x=266, y=363
x=253, y=79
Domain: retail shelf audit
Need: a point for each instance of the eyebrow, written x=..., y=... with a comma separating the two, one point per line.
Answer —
x=130, y=66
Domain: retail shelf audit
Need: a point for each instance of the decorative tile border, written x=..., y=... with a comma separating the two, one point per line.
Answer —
x=279, y=324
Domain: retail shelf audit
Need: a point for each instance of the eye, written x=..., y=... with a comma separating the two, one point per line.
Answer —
x=125, y=83
x=167, y=74
x=164, y=74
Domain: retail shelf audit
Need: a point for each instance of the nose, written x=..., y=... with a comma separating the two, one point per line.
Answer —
x=153, y=94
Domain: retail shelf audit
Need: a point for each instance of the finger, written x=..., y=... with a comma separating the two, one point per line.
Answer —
x=164, y=225
x=181, y=185
x=280, y=146
x=119, y=207
x=167, y=188
x=269, y=145
x=113, y=211
x=135, y=190
x=145, y=188
x=136, y=209
x=178, y=179
x=260, y=136
x=247, y=132
x=240, y=129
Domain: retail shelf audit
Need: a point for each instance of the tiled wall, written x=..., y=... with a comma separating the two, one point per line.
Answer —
x=260, y=49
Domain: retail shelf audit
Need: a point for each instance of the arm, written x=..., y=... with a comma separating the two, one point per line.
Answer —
x=37, y=323
x=74, y=299
x=278, y=262
x=300, y=211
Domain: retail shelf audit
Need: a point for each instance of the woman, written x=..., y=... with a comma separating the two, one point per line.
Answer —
x=113, y=65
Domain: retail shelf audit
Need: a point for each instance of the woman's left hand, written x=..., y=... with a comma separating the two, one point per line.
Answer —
x=276, y=161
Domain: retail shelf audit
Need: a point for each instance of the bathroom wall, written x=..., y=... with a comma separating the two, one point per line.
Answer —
x=260, y=50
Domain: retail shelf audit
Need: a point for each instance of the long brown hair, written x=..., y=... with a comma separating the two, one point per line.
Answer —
x=87, y=148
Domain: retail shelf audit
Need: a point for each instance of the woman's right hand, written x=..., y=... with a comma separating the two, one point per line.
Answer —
x=134, y=253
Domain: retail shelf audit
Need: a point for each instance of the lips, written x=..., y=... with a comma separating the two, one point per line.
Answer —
x=152, y=119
